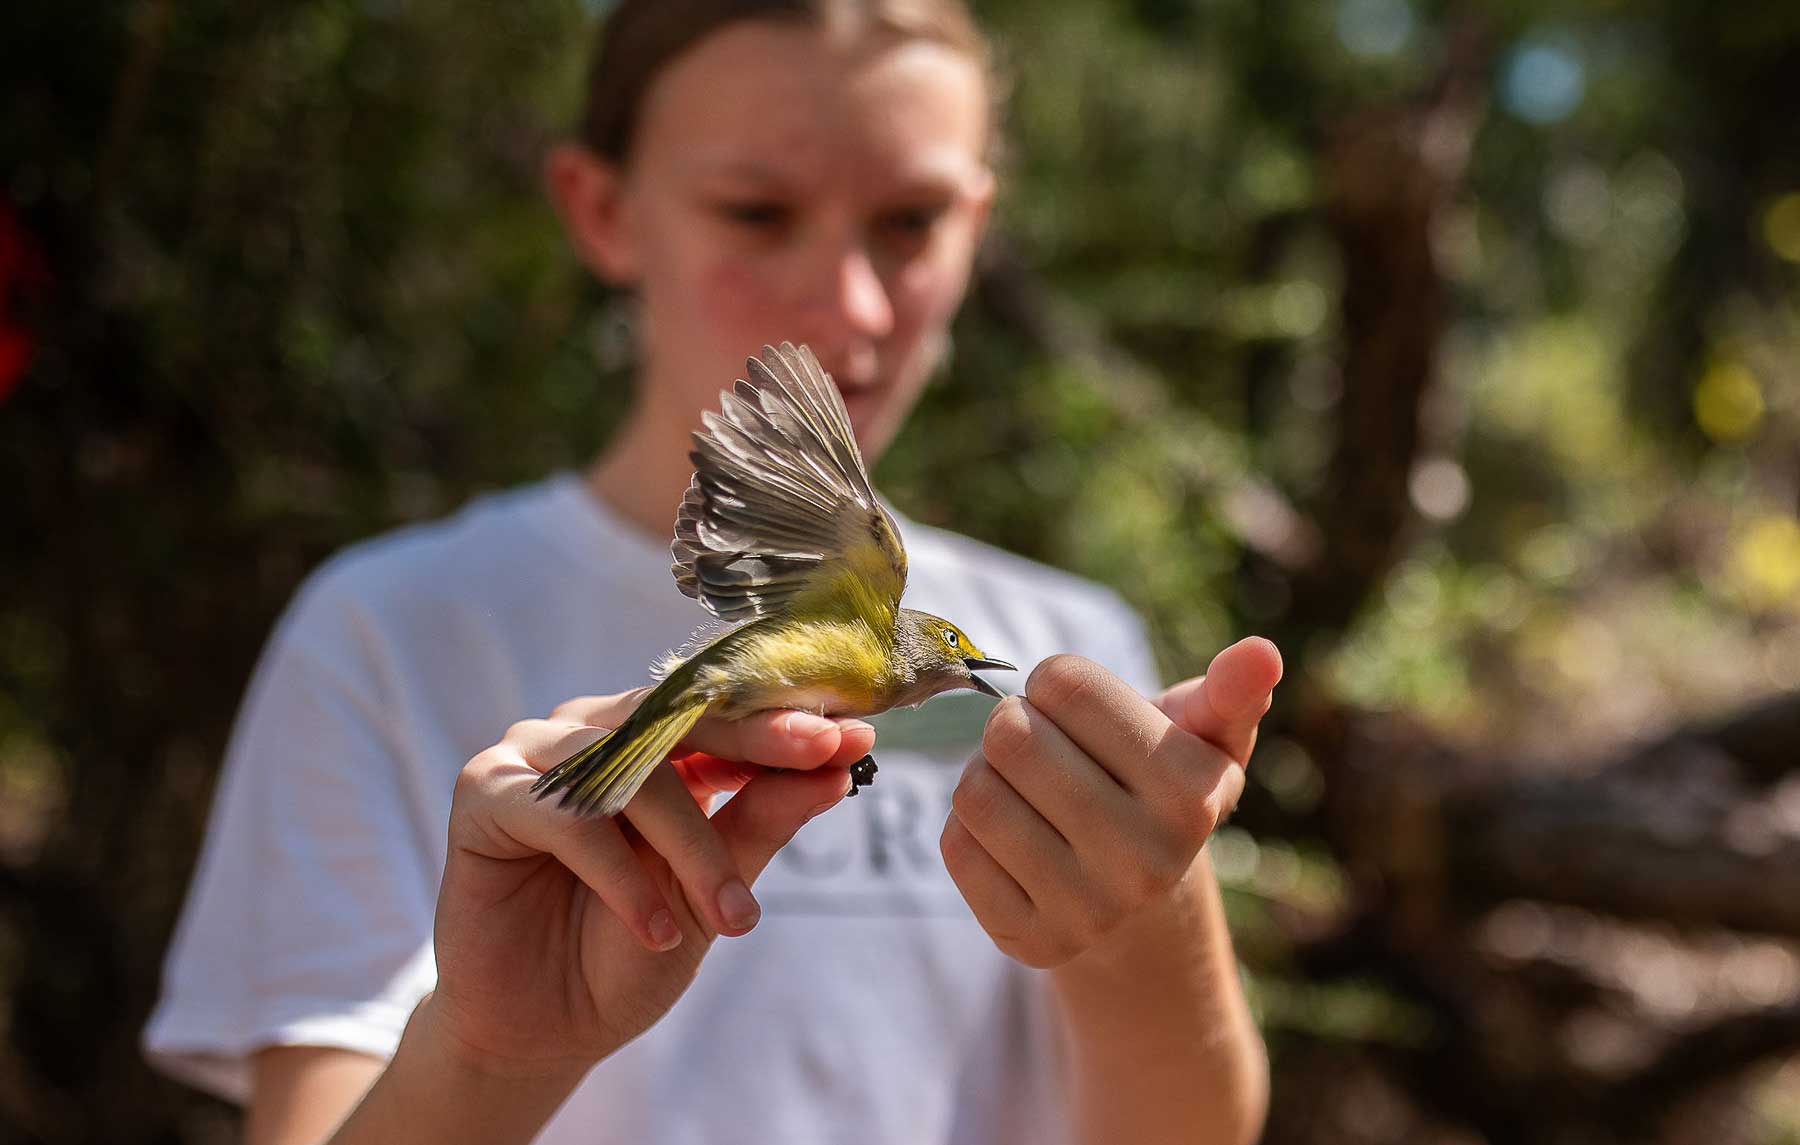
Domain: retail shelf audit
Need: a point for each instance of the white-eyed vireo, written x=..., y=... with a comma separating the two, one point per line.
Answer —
x=780, y=533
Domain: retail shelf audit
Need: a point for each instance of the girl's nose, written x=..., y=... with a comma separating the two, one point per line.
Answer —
x=853, y=303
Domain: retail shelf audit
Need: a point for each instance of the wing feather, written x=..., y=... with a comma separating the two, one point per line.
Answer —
x=780, y=506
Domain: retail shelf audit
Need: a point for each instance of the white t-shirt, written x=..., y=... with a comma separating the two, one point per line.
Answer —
x=868, y=1005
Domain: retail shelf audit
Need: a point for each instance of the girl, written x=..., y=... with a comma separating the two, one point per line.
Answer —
x=1013, y=937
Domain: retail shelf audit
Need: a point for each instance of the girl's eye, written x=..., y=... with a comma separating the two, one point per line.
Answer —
x=911, y=223
x=757, y=213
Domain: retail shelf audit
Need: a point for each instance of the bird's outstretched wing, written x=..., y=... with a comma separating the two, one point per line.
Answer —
x=780, y=513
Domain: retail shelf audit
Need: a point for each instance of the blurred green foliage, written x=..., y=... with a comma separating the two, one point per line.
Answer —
x=304, y=288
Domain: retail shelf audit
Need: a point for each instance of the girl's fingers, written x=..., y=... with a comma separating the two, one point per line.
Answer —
x=991, y=892
x=788, y=739
x=785, y=738
x=542, y=744
x=1078, y=796
x=599, y=711
x=762, y=817
x=1015, y=833
x=856, y=739
x=497, y=817
x=601, y=857
x=709, y=776
x=676, y=828
x=1224, y=706
x=670, y=814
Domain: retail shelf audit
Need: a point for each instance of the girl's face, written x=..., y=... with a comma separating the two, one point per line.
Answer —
x=785, y=184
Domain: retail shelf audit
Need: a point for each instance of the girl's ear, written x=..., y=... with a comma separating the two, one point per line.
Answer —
x=983, y=197
x=589, y=195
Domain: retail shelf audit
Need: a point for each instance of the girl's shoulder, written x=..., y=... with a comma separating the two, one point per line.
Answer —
x=403, y=558
x=496, y=547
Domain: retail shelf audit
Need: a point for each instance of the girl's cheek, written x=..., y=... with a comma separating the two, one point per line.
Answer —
x=926, y=294
x=731, y=295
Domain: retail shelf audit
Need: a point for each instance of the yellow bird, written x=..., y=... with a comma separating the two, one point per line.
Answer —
x=780, y=531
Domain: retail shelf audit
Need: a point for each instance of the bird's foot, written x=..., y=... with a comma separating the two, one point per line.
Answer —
x=862, y=774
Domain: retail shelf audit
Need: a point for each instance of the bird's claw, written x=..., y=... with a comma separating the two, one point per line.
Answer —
x=862, y=774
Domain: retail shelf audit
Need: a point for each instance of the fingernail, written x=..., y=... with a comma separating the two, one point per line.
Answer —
x=663, y=931
x=857, y=726
x=823, y=807
x=738, y=906
x=804, y=725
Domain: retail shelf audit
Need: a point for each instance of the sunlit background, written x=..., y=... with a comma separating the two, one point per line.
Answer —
x=1457, y=347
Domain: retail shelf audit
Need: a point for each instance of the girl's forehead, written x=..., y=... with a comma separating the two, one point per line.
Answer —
x=770, y=103
x=924, y=169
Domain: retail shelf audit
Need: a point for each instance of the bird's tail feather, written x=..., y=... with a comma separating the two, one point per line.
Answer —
x=602, y=777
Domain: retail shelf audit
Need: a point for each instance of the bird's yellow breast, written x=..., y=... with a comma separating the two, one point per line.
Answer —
x=839, y=667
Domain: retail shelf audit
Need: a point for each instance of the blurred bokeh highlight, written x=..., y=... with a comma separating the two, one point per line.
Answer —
x=1455, y=347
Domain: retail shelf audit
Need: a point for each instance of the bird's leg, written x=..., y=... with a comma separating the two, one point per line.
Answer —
x=862, y=774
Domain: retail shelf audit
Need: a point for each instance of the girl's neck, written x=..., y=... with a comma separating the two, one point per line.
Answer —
x=643, y=472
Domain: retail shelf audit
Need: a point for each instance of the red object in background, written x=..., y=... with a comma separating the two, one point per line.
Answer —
x=22, y=277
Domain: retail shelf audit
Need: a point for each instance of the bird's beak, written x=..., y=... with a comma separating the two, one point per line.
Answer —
x=980, y=664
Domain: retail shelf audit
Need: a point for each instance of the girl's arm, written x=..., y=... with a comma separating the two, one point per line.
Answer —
x=559, y=939
x=1163, y=1047
x=300, y=1094
x=1075, y=834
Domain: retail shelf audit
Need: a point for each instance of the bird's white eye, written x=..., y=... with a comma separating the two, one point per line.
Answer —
x=950, y=637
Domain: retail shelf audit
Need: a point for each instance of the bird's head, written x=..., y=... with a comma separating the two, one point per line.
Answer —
x=941, y=658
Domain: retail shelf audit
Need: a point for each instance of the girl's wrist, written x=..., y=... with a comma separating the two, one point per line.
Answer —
x=440, y=1088
x=453, y=1054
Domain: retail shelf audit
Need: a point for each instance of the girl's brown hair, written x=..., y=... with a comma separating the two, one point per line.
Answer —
x=639, y=38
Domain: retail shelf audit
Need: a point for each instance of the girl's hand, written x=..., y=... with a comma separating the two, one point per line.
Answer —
x=559, y=938
x=1088, y=802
